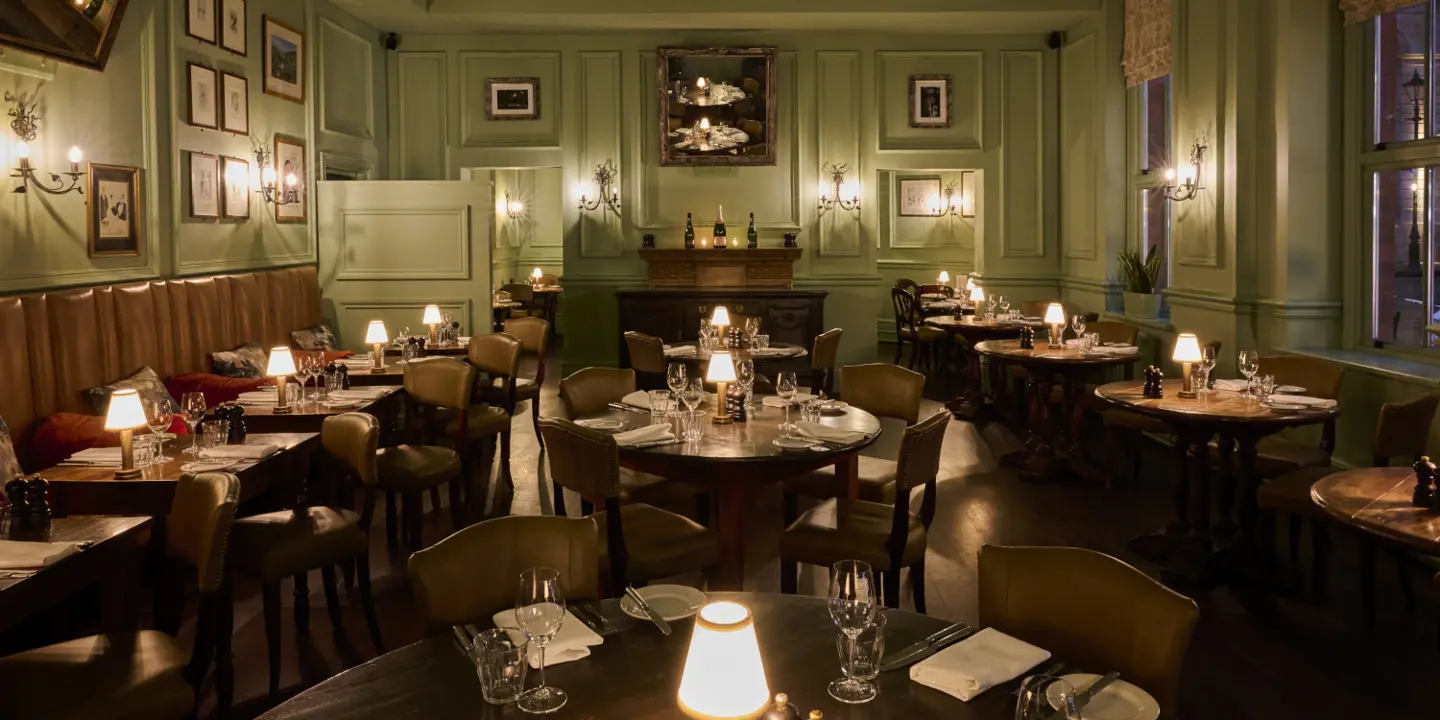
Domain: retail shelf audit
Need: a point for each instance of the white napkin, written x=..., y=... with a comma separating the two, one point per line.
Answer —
x=1304, y=400
x=680, y=350
x=100, y=457
x=816, y=431
x=17, y=555
x=1231, y=385
x=241, y=452
x=773, y=351
x=258, y=397
x=1114, y=350
x=638, y=399
x=353, y=360
x=369, y=393
x=572, y=642
x=776, y=402
x=649, y=433
x=981, y=662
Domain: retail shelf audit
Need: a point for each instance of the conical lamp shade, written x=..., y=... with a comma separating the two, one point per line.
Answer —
x=724, y=676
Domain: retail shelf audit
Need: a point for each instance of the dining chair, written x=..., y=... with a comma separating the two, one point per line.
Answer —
x=534, y=337
x=291, y=543
x=888, y=536
x=590, y=391
x=885, y=391
x=418, y=465
x=471, y=575
x=753, y=128
x=1275, y=455
x=923, y=339
x=823, y=354
x=496, y=358
x=549, y=280
x=146, y=674
x=1122, y=432
x=907, y=285
x=640, y=542
x=647, y=359
x=1080, y=603
x=522, y=293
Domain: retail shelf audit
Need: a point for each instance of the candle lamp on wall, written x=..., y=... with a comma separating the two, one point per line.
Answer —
x=1187, y=353
x=836, y=191
x=26, y=126
x=377, y=336
x=265, y=181
x=124, y=415
x=1186, y=184
x=604, y=189
x=948, y=202
x=511, y=208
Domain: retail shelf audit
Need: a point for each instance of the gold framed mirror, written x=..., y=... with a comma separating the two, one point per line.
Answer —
x=717, y=105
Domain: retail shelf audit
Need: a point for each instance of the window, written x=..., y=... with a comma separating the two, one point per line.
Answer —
x=1154, y=152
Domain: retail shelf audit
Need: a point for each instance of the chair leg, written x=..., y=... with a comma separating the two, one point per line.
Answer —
x=890, y=585
x=535, y=424
x=505, y=461
x=391, y=521
x=791, y=508
x=789, y=576
x=1296, y=523
x=1319, y=558
x=1137, y=448
x=559, y=499
x=302, y=602
x=415, y=517
x=702, y=509
x=914, y=353
x=367, y=601
x=332, y=597
x=457, y=504
x=917, y=585
x=899, y=349
x=270, y=595
x=435, y=501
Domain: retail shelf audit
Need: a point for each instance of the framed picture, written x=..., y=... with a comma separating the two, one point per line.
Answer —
x=204, y=186
x=200, y=20
x=289, y=159
x=284, y=58
x=203, y=110
x=918, y=196
x=237, y=188
x=930, y=101
x=232, y=26
x=967, y=193
x=114, y=209
x=235, y=96
x=512, y=98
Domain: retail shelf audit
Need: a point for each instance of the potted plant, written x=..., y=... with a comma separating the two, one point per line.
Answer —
x=1140, y=275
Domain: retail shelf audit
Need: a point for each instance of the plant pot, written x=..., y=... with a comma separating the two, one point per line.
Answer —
x=1142, y=306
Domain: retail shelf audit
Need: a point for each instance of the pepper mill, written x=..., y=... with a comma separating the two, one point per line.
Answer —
x=18, y=492
x=647, y=240
x=1424, y=483
x=1154, y=383
x=1027, y=338
x=39, y=494
x=238, y=429
x=344, y=377
x=790, y=240
x=781, y=709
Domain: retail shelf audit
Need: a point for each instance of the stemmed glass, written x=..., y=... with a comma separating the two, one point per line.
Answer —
x=1005, y=306
x=192, y=406
x=1207, y=365
x=691, y=394
x=745, y=377
x=310, y=366
x=675, y=380
x=1077, y=323
x=158, y=417
x=854, y=603
x=785, y=387
x=752, y=326
x=540, y=611
x=1249, y=365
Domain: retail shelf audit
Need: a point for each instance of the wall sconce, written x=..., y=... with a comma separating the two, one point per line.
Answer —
x=946, y=203
x=837, y=191
x=27, y=126
x=603, y=186
x=266, y=184
x=1188, y=185
x=513, y=209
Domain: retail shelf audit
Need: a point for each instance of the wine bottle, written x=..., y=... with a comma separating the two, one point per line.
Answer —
x=689, y=233
x=752, y=238
x=719, y=227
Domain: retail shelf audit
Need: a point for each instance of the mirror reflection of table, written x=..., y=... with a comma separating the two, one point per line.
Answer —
x=715, y=94
x=719, y=138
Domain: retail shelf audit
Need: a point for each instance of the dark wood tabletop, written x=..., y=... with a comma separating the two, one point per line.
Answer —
x=1042, y=354
x=309, y=415
x=635, y=675
x=1214, y=407
x=108, y=560
x=1378, y=501
x=796, y=352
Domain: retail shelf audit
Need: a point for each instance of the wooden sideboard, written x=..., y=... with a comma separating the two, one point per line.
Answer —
x=673, y=315
x=712, y=268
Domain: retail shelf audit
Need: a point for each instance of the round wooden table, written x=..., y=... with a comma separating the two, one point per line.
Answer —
x=794, y=352
x=1378, y=501
x=1040, y=458
x=972, y=404
x=635, y=674
x=1235, y=418
x=732, y=461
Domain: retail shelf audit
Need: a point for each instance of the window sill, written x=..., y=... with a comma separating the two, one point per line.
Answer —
x=1396, y=368
x=1157, y=325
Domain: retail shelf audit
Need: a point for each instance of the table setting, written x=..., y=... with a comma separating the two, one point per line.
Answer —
x=22, y=558
x=715, y=137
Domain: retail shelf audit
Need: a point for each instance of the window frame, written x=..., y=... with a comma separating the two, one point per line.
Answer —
x=1147, y=179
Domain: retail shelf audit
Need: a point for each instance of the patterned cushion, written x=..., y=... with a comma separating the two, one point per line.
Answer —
x=246, y=361
x=313, y=338
x=9, y=464
x=145, y=382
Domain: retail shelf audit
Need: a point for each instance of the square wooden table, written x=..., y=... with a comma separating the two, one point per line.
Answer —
x=109, y=559
x=308, y=416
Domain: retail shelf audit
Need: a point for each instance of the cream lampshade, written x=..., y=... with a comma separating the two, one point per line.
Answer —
x=376, y=336
x=1187, y=351
x=721, y=316
x=281, y=367
x=432, y=318
x=535, y=276
x=1055, y=318
x=720, y=371
x=944, y=278
x=724, y=676
x=977, y=294
x=124, y=415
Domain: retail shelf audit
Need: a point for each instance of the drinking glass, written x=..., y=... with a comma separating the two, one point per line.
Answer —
x=1249, y=365
x=752, y=326
x=1207, y=366
x=810, y=410
x=675, y=380
x=216, y=433
x=192, y=406
x=1033, y=701
x=1077, y=323
x=785, y=387
x=502, y=666
x=659, y=403
x=1005, y=305
x=854, y=603
x=692, y=395
x=861, y=659
x=760, y=341
x=540, y=611
x=158, y=417
x=745, y=377
x=1265, y=387
x=144, y=450
x=333, y=382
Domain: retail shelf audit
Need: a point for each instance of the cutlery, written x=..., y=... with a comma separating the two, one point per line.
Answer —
x=464, y=641
x=597, y=620
x=1084, y=697
x=927, y=647
x=654, y=443
x=623, y=406
x=1054, y=669
x=650, y=612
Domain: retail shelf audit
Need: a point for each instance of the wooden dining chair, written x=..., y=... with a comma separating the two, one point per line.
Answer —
x=522, y=293
x=1276, y=455
x=419, y=465
x=888, y=536
x=549, y=280
x=823, y=355
x=144, y=675
x=639, y=542
x=534, y=337
x=1080, y=603
x=907, y=285
x=923, y=339
x=468, y=577
x=647, y=359
x=496, y=358
x=291, y=543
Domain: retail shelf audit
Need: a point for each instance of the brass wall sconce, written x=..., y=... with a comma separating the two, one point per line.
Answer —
x=26, y=126
x=1187, y=185
x=512, y=208
x=268, y=188
x=602, y=190
x=836, y=191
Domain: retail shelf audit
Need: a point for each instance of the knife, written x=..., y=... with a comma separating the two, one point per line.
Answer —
x=925, y=648
x=654, y=616
x=1084, y=697
x=466, y=642
x=623, y=406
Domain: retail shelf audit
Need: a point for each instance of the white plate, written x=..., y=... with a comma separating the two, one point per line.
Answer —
x=1118, y=701
x=793, y=443
x=342, y=404
x=1289, y=389
x=600, y=424
x=1285, y=407
x=834, y=406
x=672, y=602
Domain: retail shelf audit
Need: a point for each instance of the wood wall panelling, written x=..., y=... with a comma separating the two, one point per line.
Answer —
x=892, y=76
x=838, y=122
x=1079, y=200
x=423, y=112
x=346, y=82
x=601, y=117
x=1022, y=183
x=404, y=244
x=477, y=131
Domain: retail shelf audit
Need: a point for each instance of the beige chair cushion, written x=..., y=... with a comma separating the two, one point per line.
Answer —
x=925, y=333
x=277, y=545
x=859, y=532
x=416, y=467
x=1291, y=492
x=482, y=421
x=1276, y=457
x=660, y=543
x=877, y=481
x=640, y=487
x=126, y=676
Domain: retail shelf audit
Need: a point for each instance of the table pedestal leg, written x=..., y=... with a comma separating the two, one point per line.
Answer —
x=1225, y=526
x=732, y=500
x=1245, y=504
x=1038, y=460
x=970, y=405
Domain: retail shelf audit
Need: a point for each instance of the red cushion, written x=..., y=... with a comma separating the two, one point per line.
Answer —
x=64, y=434
x=217, y=388
x=333, y=355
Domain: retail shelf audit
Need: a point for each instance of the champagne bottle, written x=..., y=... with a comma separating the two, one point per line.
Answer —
x=689, y=233
x=719, y=227
x=752, y=238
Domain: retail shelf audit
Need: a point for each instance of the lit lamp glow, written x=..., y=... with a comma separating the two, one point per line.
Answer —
x=944, y=278
x=432, y=318
x=724, y=676
x=75, y=157
x=535, y=276
x=124, y=415
x=377, y=336
x=281, y=367
x=721, y=319
x=977, y=294
x=721, y=371
x=1187, y=351
x=1055, y=318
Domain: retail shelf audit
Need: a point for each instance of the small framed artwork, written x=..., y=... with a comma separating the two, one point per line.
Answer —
x=967, y=193
x=232, y=26
x=203, y=110
x=200, y=20
x=237, y=188
x=114, y=209
x=290, y=160
x=930, y=101
x=512, y=98
x=919, y=196
x=235, y=96
x=284, y=59
x=204, y=186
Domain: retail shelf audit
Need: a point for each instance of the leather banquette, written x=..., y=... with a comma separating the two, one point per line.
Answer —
x=54, y=345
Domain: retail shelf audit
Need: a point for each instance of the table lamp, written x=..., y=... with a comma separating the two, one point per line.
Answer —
x=377, y=336
x=535, y=276
x=1055, y=318
x=432, y=318
x=977, y=296
x=724, y=676
x=720, y=371
x=1187, y=351
x=944, y=278
x=124, y=415
x=281, y=367
x=721, y=319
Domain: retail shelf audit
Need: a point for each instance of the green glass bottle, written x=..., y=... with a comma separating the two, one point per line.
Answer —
x=752, y=238
x=719, y=227
x=689, y=233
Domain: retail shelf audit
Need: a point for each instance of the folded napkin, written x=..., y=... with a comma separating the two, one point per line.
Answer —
x=241, y=452
x=572, y=642
x=776, y=401
x=258, y=397
x=774, y=351
x=649, y=433
x=981, y=662
x=99, y=457
x=17, y=555
x=360, y=361
x=1304, y=400
x=1231, y=385
x=369, y=393
x=1114, y=350
x=680, y=350
x=816, y=431
x=638, y=399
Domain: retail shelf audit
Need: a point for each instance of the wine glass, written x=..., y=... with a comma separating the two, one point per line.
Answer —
x=540, y=611
x=854, y=603
x=1207, y=366
x=158, y=417
x=675, y=379
x=1077, y=323
x=752, y=326
x=745, y=376
x=1249, y=365
x=785, y=387
x=192, y=406
x=1005, y=305
x=692, y=394
x=1038, y=694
